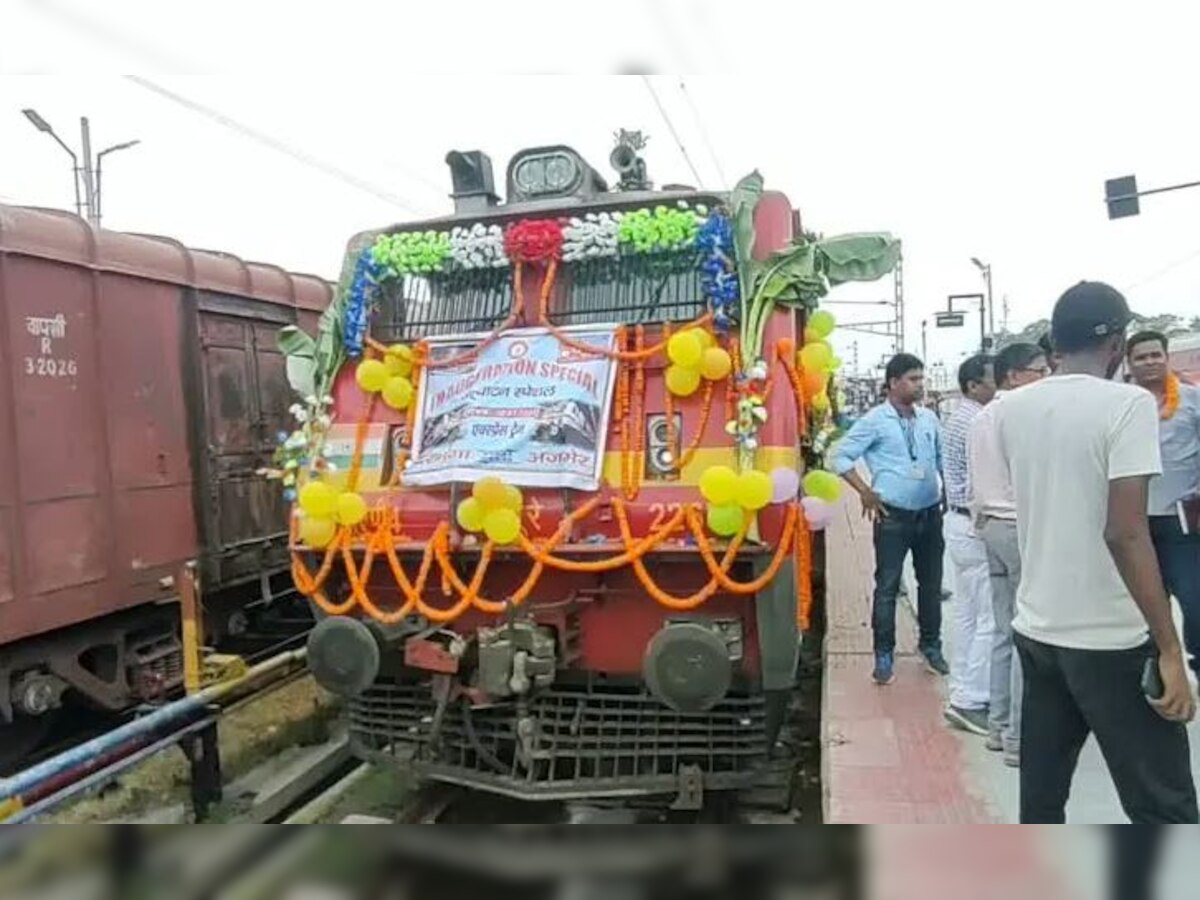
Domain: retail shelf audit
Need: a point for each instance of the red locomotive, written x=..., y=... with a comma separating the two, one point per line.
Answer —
x=141, y=388
x=519, y=587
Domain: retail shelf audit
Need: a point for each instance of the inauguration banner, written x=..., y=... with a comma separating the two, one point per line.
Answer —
x=528, y=409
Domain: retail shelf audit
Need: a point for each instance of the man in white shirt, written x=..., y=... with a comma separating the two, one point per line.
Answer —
x=995, y=514
x=1081, y=451
x=971, y=622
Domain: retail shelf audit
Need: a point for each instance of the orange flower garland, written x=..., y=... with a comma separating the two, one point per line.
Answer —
x=380, y=531
x=633, y=449
x=803, y=561
x=1170, y=404
x=438, y=549
x=785, y=351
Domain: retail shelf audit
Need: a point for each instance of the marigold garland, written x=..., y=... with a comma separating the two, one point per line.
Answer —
x=785, y=351
x=382, y=526
x=438, y=549
x=1170, y=404
x=634, y=462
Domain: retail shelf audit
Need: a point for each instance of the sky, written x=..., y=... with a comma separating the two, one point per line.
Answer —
x=980, y=129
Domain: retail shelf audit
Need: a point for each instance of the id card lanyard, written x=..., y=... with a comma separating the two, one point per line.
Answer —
x=909, y=429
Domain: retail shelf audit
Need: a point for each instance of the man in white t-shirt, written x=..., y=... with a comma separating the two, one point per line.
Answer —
x=1081, y=451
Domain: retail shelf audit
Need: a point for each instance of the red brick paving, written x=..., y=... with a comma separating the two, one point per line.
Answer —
x=888, y=757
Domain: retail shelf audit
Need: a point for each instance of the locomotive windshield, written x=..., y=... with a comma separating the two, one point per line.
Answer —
x=629, y=290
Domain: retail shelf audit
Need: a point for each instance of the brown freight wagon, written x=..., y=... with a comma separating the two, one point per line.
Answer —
x=140, y=390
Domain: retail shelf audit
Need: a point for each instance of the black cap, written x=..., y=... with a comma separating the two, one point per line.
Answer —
x=1086, y=314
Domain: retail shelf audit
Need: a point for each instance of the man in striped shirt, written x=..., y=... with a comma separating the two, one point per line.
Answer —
x=971, y=616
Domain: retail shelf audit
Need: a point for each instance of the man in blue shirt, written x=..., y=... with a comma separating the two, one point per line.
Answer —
x=899, y=443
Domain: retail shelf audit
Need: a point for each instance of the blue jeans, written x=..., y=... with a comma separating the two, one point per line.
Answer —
x=902, y=532
x=1179, y=559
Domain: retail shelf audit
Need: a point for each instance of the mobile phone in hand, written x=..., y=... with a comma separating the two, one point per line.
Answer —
x=1152, y=684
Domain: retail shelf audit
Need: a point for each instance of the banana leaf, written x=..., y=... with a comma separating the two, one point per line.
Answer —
x=299, y=351
x=858, y=257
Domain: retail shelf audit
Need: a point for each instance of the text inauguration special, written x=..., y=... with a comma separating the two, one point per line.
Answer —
x=527, y=409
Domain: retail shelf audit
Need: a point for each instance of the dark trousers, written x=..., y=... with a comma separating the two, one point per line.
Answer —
x=902, y=532
x=1136, y=851
x=1179, y=559
x=1069, y=694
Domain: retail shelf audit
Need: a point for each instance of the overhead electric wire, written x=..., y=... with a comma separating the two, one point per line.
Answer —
x=275, y=144
x=662, y=111
x=708, y=144
x=1159, y=273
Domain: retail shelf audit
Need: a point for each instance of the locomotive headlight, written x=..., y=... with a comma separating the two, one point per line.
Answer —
x=547, y=174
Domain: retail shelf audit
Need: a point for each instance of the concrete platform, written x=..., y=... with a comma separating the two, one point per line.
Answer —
x=887, y=755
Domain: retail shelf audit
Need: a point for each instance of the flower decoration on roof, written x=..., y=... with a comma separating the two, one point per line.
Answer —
x=534, y=241
x=478, y=247
x=660, y=230
x=591, y=237
x=412, y=252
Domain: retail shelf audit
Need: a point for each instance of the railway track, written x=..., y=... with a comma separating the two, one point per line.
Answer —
x=76, y=724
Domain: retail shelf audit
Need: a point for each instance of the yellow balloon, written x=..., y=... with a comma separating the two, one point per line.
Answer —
x=502, y=526
x=822, y=322
x=682, y=382
x=715, y=364
x=816, y=357
x=822, y=485
x=820, y=403
x=371, y=375
x=754, y=489
x=398, y=392
x=810, y=335
x=685, y=349
x=725, y=521
x=470, y=515
x=317, y=533
x=490, y=493
x=399, y=360
x=318, y=500
x=706, y=337
x=351, y=508
x=718, y=485
x=513, y=499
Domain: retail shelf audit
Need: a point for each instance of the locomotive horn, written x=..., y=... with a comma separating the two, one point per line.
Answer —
x=624, y=159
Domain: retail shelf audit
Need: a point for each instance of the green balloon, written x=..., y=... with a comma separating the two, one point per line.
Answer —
x=822, y=485
x=725, y=521
x=822, y=322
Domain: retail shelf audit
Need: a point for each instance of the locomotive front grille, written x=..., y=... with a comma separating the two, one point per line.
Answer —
x=586, y=741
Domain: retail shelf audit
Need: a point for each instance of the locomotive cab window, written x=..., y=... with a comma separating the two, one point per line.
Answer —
x=416, y=306
x=633, y=290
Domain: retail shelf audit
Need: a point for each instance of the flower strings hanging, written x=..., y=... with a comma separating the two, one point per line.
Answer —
x=718, y=278
x=361, y=299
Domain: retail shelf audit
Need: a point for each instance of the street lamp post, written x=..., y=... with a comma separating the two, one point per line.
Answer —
x=43, y=126
x=924, y=340
x=100, y=170
x=89, y=175
x=985, y=269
